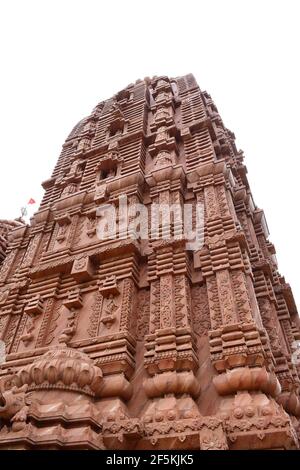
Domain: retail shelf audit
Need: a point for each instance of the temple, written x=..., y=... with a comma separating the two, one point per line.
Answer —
x=147, y=341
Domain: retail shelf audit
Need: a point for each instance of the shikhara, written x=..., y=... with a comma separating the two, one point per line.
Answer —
x=143, y=307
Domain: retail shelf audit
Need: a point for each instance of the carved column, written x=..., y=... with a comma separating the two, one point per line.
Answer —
x=170, y=349
x=240, y=350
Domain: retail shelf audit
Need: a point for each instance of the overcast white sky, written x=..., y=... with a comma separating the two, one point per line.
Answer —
x=60, y=58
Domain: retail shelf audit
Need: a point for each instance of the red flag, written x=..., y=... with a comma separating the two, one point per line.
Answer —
x=31, y=201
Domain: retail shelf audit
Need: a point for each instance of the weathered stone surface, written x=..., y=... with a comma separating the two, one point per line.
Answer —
x=136, y=343
x=5, y=227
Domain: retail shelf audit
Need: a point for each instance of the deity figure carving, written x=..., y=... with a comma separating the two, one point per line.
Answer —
x=110, y=310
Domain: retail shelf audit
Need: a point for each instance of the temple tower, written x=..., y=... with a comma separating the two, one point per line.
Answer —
x=147, y=340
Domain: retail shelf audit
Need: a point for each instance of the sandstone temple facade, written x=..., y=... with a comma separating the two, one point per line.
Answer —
x=130, y=343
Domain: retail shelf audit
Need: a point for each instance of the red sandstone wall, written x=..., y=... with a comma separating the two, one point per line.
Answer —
x=143, y=344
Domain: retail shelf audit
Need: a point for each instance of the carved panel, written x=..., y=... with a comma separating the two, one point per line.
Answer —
x=166, y=301
x=19, y=333
x=222, y=200
x=213, y=300
x=226, y=297
x=95, y=314
x=53, y=322
x=180, y=301
x=265, y=308
x=288, y=332
x=128, y=292
x=111, y=312
x=42, y=247
x=31, y=249
x=79, y=236
x=48, y=309
x=154, y=306
x=241, y=296
x=4, y=293
x=11, y=330
x=3, y=324
x=6, y=265
x=143, y=313
x=200, y=310
x=211, y=202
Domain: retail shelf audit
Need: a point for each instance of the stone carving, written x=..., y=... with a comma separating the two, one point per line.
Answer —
x=154, y=306
x=222, y=200
x=127, y=304
x=166, y=294
x=200, y=309
x=79, y=235
x=214, y=304
x=241, y=296
x=33, y=309
x=53, y=325
x=6, y=265
x=163, y=158
x=69, y=331
x=180, y=300
x=49, y=304
x=62, y=232
x=143, y=316
x=125, y=343
x=101, y=192
x=266, y=314
x=94, y=317
x=64, y=368
x=19, y=333
x=82, y=269
x=31, y=249
x=91, y=226
x=28, y=336
x=70, y=189
x=110, y=286
x=210, y=201
x=12, y=402
x=109, y=311
x=11, y=330
x=3, y=296
x=226, y=298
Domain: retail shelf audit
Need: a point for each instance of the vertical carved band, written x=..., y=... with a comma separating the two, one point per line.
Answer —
x=227, y=304
x=127, y=304
x=213, y=301
x=95, y=316
x=166, y=301
x=154, y=306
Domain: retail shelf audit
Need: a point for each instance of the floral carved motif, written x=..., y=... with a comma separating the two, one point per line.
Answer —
x=211, y=202
x=226, y=297
x=241, y=296
x=180, y=301
x=200, y=309
x=213, y=300
x=95, y=315
x=166, y=301
x=47, y=312
x=143, y=313
x=128, y=292
x=154, y=306
x=222, y=200
x=265, y=308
